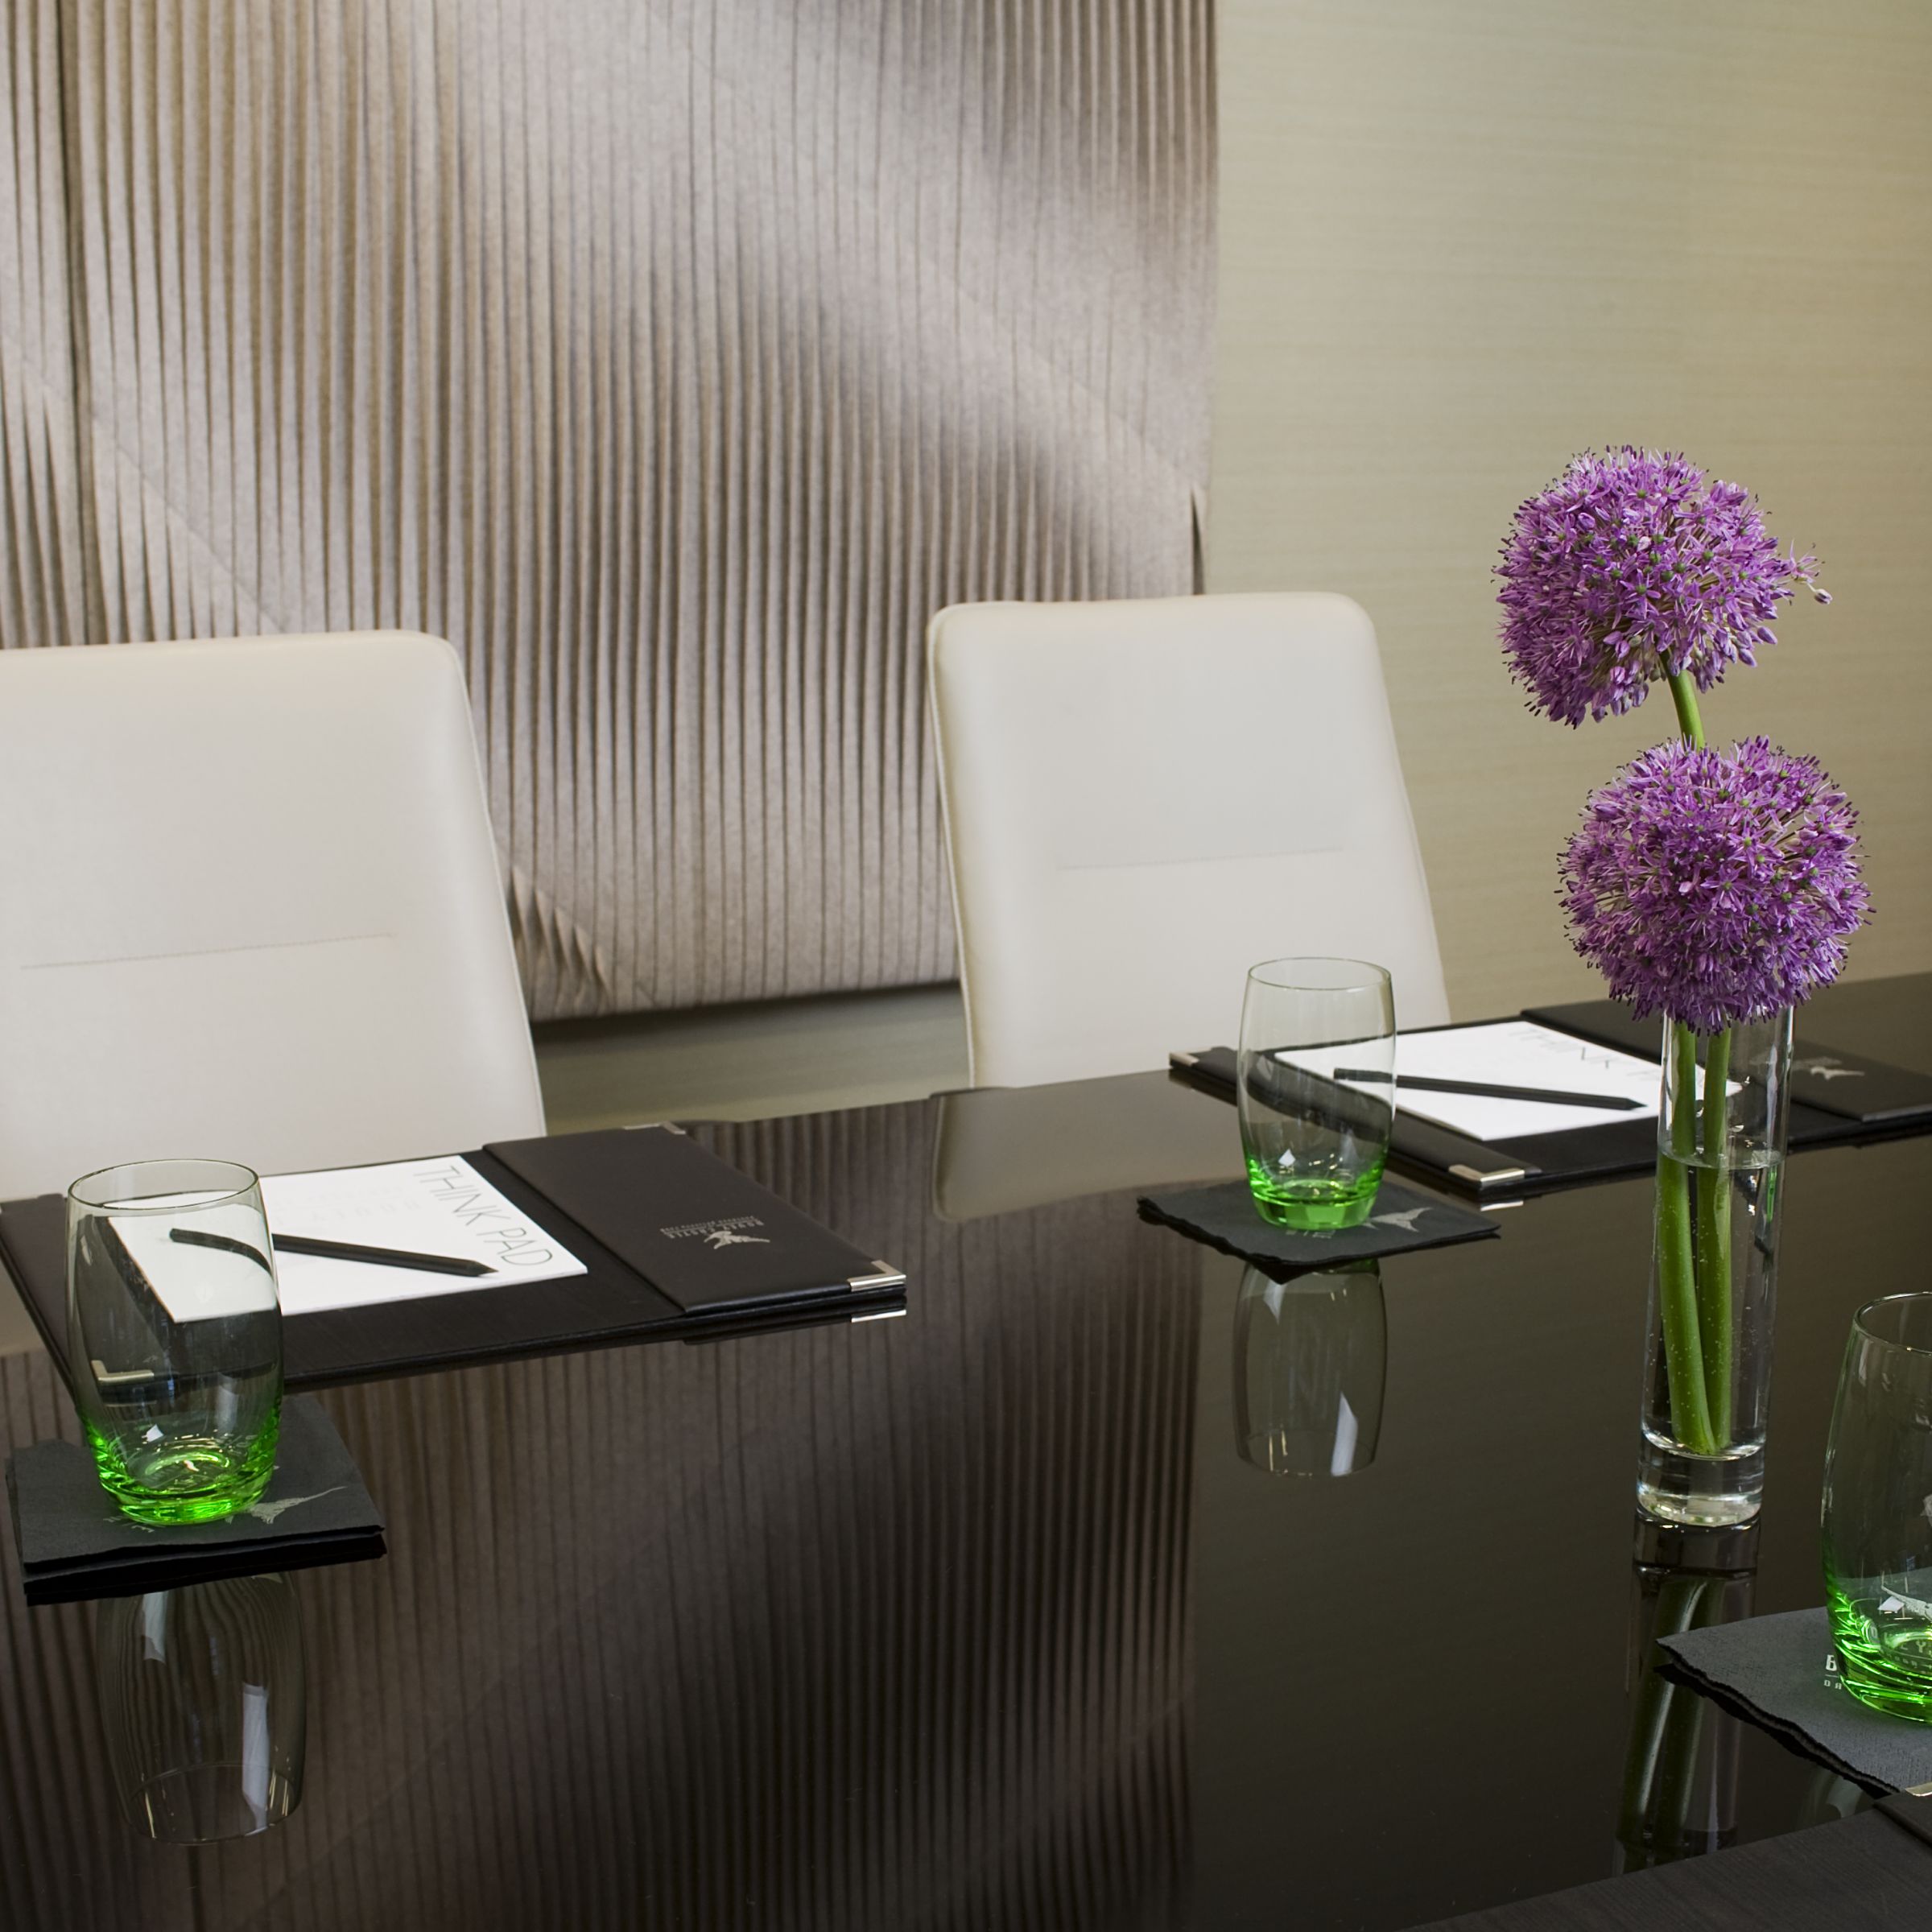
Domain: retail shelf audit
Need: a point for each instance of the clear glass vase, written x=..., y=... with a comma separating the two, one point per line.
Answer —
x=1720, y=1159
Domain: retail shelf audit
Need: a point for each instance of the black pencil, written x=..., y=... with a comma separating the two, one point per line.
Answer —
x=340, y=1251
x=1547, y=1096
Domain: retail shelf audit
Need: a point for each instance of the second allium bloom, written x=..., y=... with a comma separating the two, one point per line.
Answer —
x=1633, y=567
x=1716, y=887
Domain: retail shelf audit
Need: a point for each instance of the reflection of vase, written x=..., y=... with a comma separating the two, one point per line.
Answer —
x=1680, y=1766
x=1707, y=1374
x=204, y=1698
x=1310, y=1356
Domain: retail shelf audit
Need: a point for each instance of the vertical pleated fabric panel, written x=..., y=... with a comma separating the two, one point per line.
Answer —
x=42, y=552
x=674, y=358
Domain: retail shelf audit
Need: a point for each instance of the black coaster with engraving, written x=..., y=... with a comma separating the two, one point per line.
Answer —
x=1780, y=1673
x=1403, y=1218
x=75, y=1543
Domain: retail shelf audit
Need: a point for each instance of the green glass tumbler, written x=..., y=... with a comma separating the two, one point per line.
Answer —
x=174, y=1336
x=1877, y=1528
x=1315, y=1087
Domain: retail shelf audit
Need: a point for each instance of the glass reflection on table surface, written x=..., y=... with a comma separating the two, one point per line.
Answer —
x=1311, y=1358
x=204, y=1705
x=1680, y=1765
x=974, y=1617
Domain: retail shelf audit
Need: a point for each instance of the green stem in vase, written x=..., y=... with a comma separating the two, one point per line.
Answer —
x=1678, y=1279
x=1712, y=1238
x=1676, y=1268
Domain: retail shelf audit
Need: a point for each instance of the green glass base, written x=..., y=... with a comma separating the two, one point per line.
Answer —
x=1312, y=1207
x=185, y=1479
x=1888, y=1667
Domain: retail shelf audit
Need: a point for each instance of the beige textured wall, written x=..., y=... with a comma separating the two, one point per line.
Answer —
x=1462, y=238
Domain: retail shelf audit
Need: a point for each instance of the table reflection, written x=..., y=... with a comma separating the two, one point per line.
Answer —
x=204, y=1704
x=1681, y=1761
x=1310, y=1363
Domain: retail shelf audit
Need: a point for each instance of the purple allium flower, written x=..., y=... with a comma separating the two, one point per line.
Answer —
x=1630, y=566
x=1716, y=887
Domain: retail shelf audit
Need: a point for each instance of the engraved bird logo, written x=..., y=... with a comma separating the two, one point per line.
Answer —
x=268, y=1512
x=1404, y=1218
x=723, y=1237
x=1828, y=1070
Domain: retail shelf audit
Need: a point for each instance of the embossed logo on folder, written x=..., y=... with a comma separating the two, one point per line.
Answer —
x=722, y=1232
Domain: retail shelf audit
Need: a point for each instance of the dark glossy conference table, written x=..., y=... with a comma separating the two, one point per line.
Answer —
x=977, y=1618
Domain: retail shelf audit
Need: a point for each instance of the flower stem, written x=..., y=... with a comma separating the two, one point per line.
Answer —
x=1683, y=693
x=1676, y=1273
x=1695, y=1301
x=1712, y=1237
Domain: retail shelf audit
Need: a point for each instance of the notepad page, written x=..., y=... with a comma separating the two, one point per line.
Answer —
x=433, y=1206
x=193, y=1284
x=1509, y=1053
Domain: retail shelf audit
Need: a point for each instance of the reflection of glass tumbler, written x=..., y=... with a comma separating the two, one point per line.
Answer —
x=204, y=1698
x=1310, y=1356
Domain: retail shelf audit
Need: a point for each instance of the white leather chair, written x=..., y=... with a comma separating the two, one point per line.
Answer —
x=249, y=907
x=1142, y=799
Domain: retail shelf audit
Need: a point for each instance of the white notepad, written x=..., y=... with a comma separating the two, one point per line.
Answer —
x=196, y=1284
x=1509, y=1053
x=435, y=1207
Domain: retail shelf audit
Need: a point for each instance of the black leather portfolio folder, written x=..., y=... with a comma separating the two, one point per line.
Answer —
x=705, y=1234
x=642, y=1207
x=1824, y=1079
x=1537, y=1163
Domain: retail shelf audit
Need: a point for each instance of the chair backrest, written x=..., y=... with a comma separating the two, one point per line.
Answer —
x=249, y=907
x=1143, y=799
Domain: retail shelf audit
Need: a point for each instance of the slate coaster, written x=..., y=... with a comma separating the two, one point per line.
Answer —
x=75, y=1543
x=1781, y=1674
x=1403, y=1218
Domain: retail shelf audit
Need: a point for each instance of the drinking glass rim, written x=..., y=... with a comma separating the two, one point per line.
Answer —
x=121, y=1205
x=1888, y=1341
x=1374, y=975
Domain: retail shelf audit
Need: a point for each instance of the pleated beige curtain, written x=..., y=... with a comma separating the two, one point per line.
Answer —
x=674, y=358
x=43, y=555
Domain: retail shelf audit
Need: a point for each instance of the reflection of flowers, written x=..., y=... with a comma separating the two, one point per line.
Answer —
x=1631, y=568
x=1715, y=887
